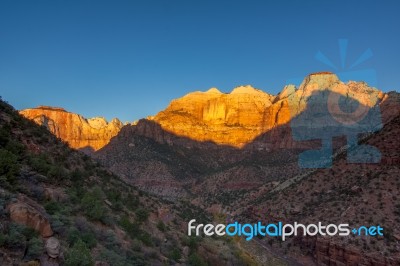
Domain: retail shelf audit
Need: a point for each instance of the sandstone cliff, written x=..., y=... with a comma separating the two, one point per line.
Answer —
x=242, y=116
x=205, y=132
x=233, y=118
x=79, y=132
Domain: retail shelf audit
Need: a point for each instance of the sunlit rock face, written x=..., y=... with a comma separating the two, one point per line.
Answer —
x=79, y=132
x=234, y=118
x=324, y=99
x=238, y=117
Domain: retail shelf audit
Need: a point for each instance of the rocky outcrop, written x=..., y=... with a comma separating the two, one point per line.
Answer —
x=330, y=253
x=233, y=118
x=53, y=254
x=29, y=213
x=78, y=131
x=55, y=194
x=213, y=130
x=242, y=117
x=53, y=247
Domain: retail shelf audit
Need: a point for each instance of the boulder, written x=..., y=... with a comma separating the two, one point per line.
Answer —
x=27, y=212
x=45, y=260
x=53, y=247
x=55, y=194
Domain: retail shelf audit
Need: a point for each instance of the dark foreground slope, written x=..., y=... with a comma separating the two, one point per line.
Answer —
x=257, y=184
x=59, y=207
x=357, y=194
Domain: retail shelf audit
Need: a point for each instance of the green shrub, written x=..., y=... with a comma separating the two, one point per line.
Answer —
x=191, y=242
x=146, y=238
x=141, y=215
x=73, y=236
x=131, y=202
x=40, y=163
x=57, y=173
x=15, y=147
x=15, y=238
x=136, y=245
x=59, y=223
x=114, y=196
x=4, y=135
x=122, y=258
x=79, y=255
x=132, y=229
x=3, y=239
x=9, y=167
x=76, y=194
x=52, y=207
x=112, y=258
x=88, y=237
x=93, y=205
x=28, y=232
x=77, y=176
x=175, y=254
x=196, y=260
x=161, y=226
x=35, y=248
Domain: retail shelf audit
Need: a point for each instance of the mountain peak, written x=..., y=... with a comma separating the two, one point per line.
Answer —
x=52, y=108
x=213, y=90
x=247, y=89
x=234, y=118
x=321, y=80
x=321, y=73
x=97, y=122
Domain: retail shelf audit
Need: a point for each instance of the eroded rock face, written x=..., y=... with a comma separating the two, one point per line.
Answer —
x=78, y=131
x=29, y=213
x=233, y=118
x=239, y=117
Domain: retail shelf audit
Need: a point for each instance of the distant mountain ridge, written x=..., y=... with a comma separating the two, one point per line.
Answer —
x=235, y=119
x=79, y=132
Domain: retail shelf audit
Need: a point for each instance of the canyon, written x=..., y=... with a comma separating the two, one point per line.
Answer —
x=237, y=155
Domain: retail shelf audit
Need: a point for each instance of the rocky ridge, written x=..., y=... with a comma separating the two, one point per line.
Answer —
x=238, y=118
x=79, y=132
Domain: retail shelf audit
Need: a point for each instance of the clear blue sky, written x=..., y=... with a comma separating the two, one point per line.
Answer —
x=128, y=59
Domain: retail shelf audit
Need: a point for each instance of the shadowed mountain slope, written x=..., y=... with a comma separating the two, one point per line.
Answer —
x=60, y=207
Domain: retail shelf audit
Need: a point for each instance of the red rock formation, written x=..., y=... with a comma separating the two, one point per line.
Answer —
x=78, y=131
x=241, y=117
x=236, y=119
x=30, y=214
x=233, y=118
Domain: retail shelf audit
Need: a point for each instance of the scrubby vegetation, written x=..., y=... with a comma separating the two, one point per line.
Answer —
x=93, y=213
